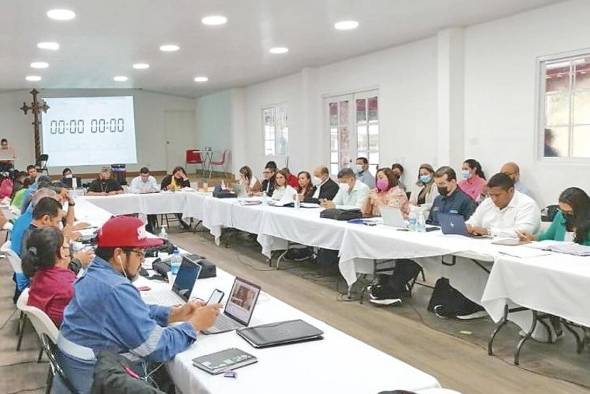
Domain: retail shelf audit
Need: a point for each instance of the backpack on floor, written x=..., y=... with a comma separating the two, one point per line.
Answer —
x=449, y=302
x=401, y=282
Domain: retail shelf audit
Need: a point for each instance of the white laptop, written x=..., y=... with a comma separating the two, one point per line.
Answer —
x=187, y=276
x=393, y=217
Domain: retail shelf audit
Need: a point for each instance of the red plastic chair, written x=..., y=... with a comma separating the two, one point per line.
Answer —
x=221, y=162
x=193, y=156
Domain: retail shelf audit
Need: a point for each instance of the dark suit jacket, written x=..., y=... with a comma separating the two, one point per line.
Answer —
x=328, y=191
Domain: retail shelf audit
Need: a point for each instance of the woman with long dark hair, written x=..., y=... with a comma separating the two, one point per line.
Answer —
x=305, y=187
x=473, y=180
x=46, y=261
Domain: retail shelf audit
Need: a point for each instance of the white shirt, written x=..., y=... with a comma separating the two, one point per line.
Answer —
x=416, y=189
x=138, y=186
x=284, y=194
x=356, y=197
x=522, y=213
x=367, y=178
x=316, y=194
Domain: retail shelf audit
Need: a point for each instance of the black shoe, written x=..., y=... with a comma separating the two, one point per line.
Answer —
x=381, y=295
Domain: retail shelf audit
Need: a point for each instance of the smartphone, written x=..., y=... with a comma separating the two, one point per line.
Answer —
x=216, y=297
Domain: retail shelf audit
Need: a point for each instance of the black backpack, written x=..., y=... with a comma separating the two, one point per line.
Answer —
x=401, y=282
x=449, y=302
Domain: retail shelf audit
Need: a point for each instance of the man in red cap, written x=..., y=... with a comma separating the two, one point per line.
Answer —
x=108, y=313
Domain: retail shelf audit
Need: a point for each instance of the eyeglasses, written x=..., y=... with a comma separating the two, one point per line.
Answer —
x=138, y=252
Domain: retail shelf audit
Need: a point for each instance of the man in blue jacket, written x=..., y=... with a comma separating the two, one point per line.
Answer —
x=108, y=313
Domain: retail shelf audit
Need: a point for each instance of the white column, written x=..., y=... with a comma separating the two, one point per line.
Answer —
x=238, y=129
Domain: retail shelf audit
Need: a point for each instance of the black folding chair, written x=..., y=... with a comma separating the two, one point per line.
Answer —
x=54, y=367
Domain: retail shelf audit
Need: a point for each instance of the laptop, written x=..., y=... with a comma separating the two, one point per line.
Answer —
x=70, y=181
x=280, y=333
x=238, y=309
x=187, y=276
x=393, y=217
x=452, y=223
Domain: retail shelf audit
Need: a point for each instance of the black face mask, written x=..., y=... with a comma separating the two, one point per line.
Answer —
x=569, y=220
x=443, y=191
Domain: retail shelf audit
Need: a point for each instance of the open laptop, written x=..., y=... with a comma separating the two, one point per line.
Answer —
x=70, y=181
x=452, y=223
x=182, y=288
x=238, y=309
x=392, y=217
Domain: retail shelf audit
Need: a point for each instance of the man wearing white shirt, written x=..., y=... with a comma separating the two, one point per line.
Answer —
x=505, y=211
x=142, y=184
x=513, y=171
x=352, y=192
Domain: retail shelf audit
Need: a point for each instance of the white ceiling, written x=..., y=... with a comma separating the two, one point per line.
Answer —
x=108, y=36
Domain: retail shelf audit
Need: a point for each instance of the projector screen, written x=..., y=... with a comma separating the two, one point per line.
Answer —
x=81, y=131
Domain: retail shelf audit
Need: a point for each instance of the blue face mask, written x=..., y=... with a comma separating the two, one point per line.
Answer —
x=465, y=174
x=425, y=178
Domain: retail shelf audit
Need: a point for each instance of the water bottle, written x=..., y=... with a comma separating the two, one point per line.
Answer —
x=297, y=202
x=163, y=234
x=421, y=223
x=412, y=221
x=175, y=262
x=264, y=198
x=222, y=185
x=74, y=183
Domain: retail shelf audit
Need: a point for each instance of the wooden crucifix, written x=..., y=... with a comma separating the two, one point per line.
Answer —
x=36, y=107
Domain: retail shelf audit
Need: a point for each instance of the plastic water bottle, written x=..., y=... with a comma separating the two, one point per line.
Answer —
x=175, y=262
x=264, y=198
x=74, y=183
x=297, y=202
x=163, y=234
x=412, y=221
x=421, y=223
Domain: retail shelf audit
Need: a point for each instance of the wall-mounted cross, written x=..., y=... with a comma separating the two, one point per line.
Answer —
x=36, y=107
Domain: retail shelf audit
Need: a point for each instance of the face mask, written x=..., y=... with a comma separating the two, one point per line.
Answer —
x=345, y=187
x=425, y=178
x=443, y=191
x=69, y=176
x=382, y=184
x=465, y=174
x=315, y=180
x=359, y=168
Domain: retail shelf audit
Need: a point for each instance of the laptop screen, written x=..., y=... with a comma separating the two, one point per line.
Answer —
x=241, y=300
x=188, y=273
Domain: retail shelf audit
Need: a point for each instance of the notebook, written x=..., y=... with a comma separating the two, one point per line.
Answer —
x=225, y=360
x=280, y=333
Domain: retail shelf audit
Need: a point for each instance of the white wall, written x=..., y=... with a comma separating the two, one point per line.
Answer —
x=149, y=125
x=500, y=83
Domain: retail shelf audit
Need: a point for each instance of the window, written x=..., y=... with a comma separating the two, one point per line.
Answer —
x=354, y=130
x=565, y=107
x=276, y=132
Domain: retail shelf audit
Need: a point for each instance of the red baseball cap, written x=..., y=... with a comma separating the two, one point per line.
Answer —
x=125, y=232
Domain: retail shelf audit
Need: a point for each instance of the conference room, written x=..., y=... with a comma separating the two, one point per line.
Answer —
x=267, y=196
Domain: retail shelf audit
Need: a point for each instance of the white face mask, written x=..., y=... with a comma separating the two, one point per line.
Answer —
x=345, y=186
x=359, y=168
x=315, y=180
x=69, y=176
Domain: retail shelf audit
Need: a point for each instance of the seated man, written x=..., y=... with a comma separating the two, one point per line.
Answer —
x=513, y=171
x=8, y=155
x=268, y=184
x=506, y=212
x=362, y=172
x=352, y=192
x=326, y=188
x=108, y=313
x=142, y=184
x=450, y=199
x=105, y=184
x=32, y=171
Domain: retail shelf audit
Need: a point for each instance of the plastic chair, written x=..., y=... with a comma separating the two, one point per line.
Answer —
x=39, y=319
x=42, y=163
x=193, y=156
x=13, y=258
x=221, y=162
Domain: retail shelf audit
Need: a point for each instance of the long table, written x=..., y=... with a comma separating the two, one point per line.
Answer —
x=307, y=367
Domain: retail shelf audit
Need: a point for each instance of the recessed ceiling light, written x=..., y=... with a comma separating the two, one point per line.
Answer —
x=141, y=66
x=214, y=20
x=39, y=65
x=120, y=78
x=169, y=48
x=201, y=79
x=52, y=46
x=278, y=50
x=33, y=78
x=346, y=25
x=61, y=14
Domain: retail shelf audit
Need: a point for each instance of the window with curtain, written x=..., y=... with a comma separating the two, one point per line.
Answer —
x=276, y=131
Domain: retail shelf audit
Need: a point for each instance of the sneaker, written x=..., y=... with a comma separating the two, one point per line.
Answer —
x=473, y=315
x=380, y=295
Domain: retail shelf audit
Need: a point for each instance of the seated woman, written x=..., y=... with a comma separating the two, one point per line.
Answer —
x=386, y=193
x=474, y=180
x=424, y=191
x=249, y=184
x=46, y=260
x=105, y=184
x=305, y=188
x=176, y=181
x=283, y=191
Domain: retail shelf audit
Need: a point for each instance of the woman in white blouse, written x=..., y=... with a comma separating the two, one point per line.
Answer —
x=283, y=191
x=249, y=185
x=424, y=191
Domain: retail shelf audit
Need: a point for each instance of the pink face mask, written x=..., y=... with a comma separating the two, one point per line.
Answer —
x=382, y=184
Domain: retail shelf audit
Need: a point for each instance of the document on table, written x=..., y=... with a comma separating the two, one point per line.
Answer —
x=522, y=252
x=562, y=247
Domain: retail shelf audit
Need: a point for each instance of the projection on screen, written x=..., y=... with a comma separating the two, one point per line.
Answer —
x=89, y=130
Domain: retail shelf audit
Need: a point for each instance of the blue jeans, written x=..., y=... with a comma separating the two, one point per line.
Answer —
x=79, y=373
